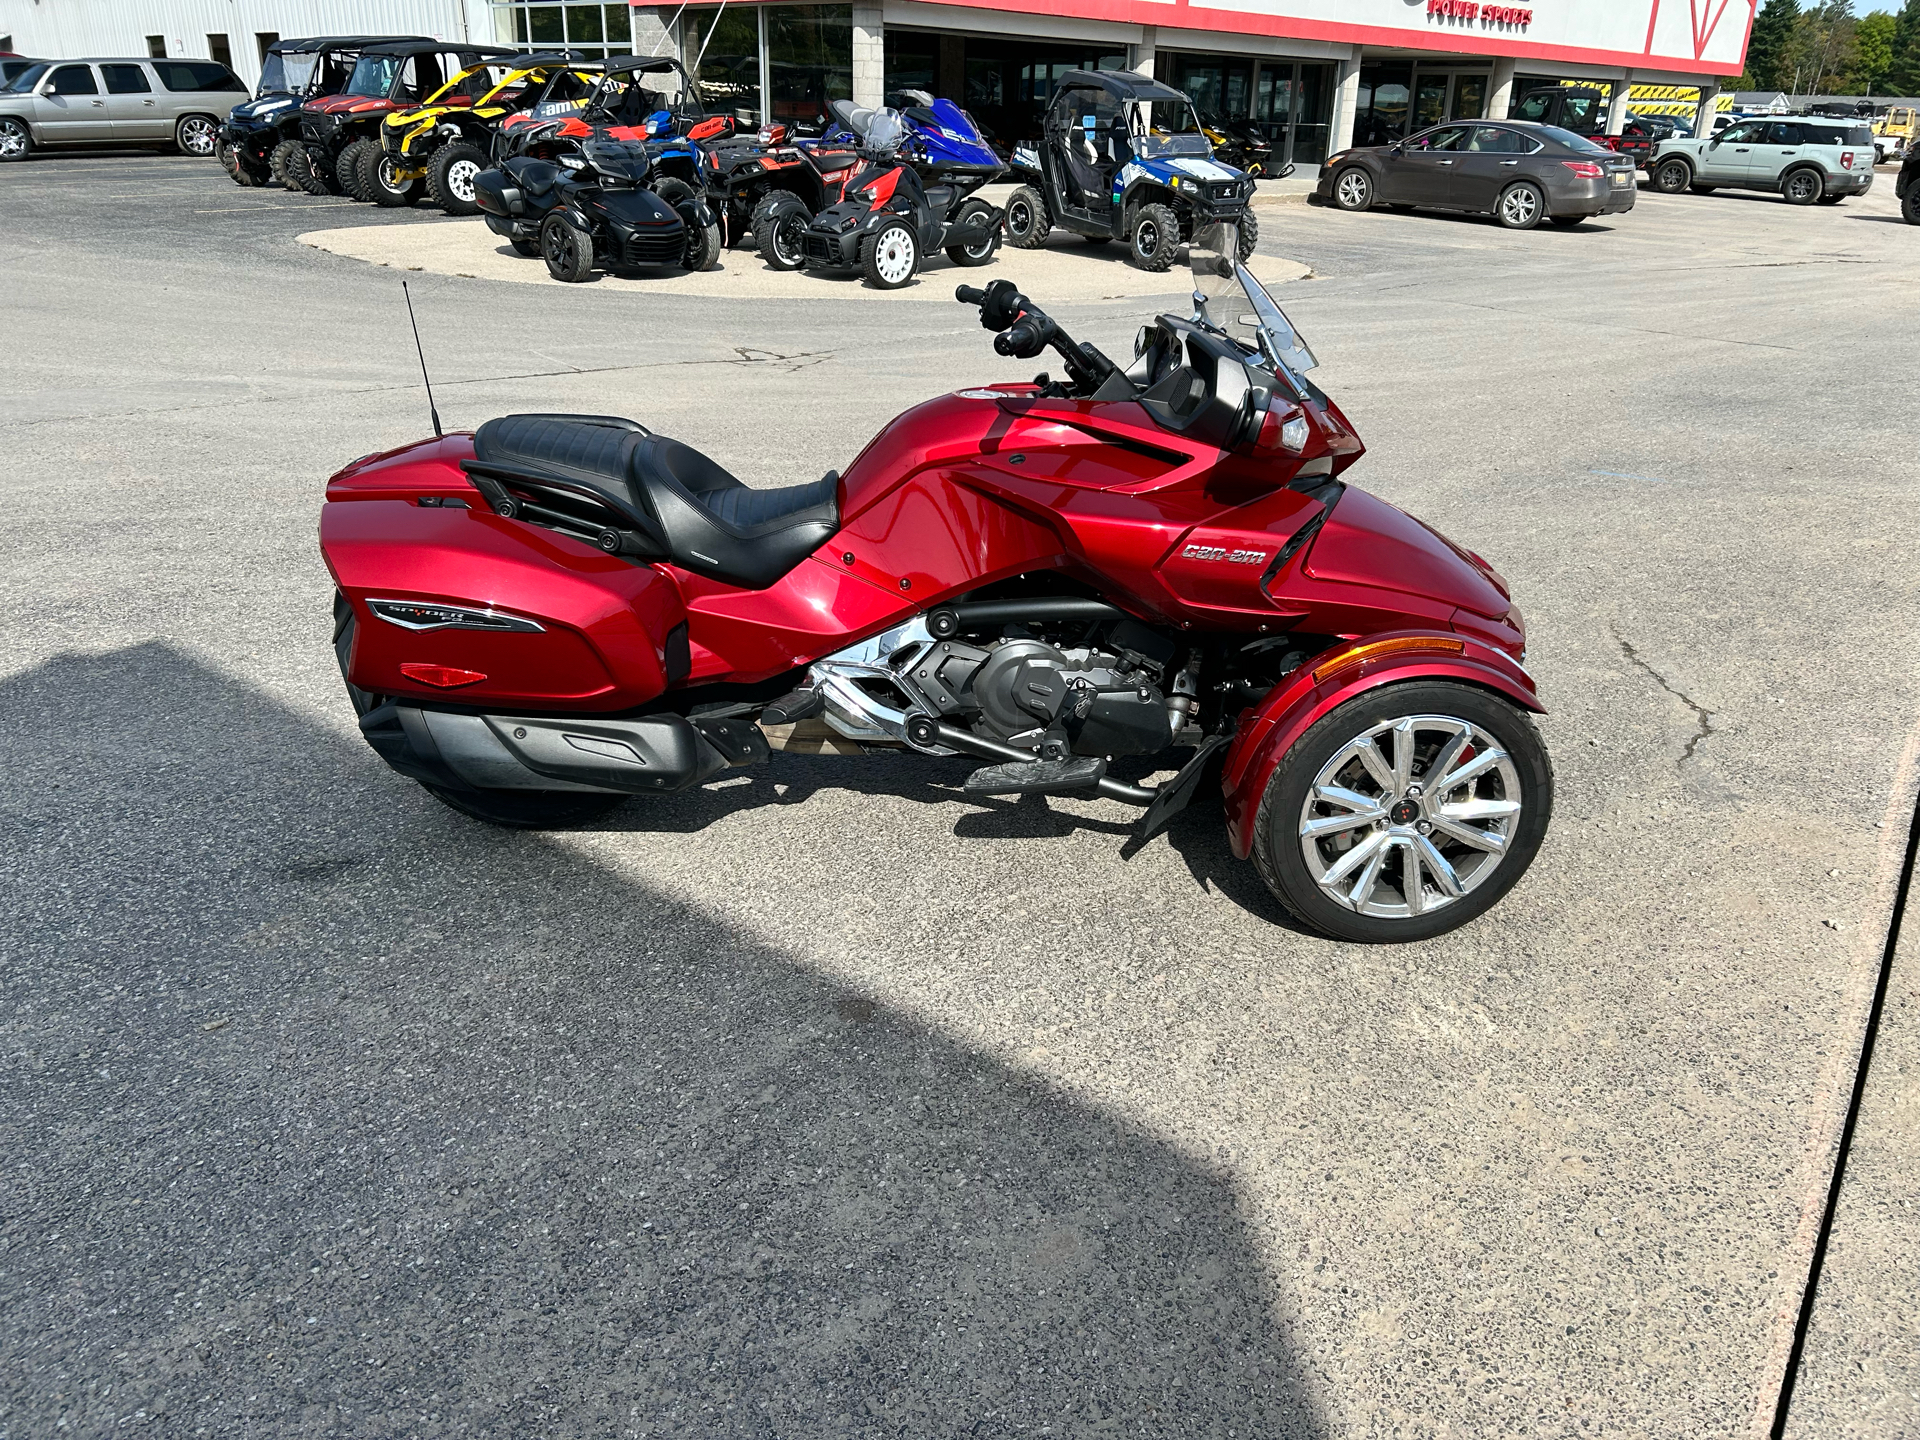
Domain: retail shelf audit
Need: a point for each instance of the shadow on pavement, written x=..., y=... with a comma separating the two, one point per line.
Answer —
x=327, y=1114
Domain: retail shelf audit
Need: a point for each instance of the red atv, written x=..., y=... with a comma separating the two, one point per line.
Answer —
x=766, y=184
x=339, y=150
x=1148, y=567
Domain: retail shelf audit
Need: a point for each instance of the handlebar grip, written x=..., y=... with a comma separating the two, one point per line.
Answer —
x=970, y=295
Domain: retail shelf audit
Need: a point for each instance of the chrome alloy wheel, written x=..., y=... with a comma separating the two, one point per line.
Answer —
x=13, y=139
x=197, y=135
x=1519, y=206
x=460, y=177
x=894, y=255
x=1352, y=190
x=1410, y=816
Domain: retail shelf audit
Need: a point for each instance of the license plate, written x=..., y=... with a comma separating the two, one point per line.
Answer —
x=1619, y=181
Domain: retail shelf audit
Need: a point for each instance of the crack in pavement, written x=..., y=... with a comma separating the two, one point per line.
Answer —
x=1701, y=714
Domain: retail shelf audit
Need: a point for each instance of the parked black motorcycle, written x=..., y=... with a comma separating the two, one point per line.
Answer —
x=890, y=220
x=594, y=202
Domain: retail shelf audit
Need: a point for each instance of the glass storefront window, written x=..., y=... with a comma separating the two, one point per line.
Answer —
x=810, y=55
x=912, y=61
x=727, y=46
x=1469, y=97
x=1217, y=86
x=1386, y=95
x=595, y=30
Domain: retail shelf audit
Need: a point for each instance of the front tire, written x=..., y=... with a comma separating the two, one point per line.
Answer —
x=567, y=249
x=387, y=187
x=450, y=177
x=779, y=229
x=1027, y=222
x=235, y=165
x=890, y=256
x=1670, y=177
x=1910, y=205
x=1404, y=813
x=16, y=139
x=983, y=253
x=196, y=135
x=1153, y=238
x=1249, y=226
x=1353, y=189
x=1520, y=206
x=1804, y=187
x=280, y=163
x=703, y=241
x=351, y=169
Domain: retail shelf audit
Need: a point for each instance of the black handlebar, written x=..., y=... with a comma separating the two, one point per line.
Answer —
x=1027, y=330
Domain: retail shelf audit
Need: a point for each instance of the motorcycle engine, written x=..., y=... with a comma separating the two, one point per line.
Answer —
x=1104, y=699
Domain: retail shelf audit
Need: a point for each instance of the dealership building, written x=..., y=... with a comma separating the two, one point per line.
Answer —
x=1316, y=75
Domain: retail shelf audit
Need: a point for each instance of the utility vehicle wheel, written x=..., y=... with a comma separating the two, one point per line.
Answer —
x=196, y=135
x=1804, y=186
x=971, y=255
x=517, y=809
x=1670, y=177
x=388, y=188
x=890, y=256
x=450, y=177
x=16, y=140
x=567, y=249
x=302, y=170
x=1249, y=237
x=1353, y=189
x=236, y=167
x=1405, y=812
x=1568, y=222
x=779, y=224
x=1153, y=237
x=1027, y=222
x=1910, y=205
x=1520, y=206
x=1831, y=199
x=351, y=169
x=281, y=161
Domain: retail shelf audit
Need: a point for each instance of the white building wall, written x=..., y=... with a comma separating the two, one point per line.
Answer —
x=59, y=29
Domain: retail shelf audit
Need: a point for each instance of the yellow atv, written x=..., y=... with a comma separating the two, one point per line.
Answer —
x=448, y=139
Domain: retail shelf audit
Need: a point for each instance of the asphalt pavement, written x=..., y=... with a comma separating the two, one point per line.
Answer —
x=822, y=1101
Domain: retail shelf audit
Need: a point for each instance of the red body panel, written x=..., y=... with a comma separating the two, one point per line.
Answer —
x=955, y=494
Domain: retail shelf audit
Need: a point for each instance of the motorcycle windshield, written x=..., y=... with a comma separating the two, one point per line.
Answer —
x=1227, y=296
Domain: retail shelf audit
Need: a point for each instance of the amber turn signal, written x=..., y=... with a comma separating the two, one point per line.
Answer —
x=1374, y=649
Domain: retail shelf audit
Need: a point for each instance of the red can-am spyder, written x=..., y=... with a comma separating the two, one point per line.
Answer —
x=558, y=611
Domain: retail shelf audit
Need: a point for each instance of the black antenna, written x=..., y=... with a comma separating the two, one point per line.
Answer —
x=421, y=349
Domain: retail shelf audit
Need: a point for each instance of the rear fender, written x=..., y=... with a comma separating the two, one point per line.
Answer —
x=1300, y=700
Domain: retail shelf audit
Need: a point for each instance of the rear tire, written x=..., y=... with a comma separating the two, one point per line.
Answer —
x=1520, y=206
x=567, y=250
x=386, y=186
x=1910, y=205
x=890, y=257
x=280, y=161
x=979, y=254
x=450, y=176
x=1670, y=177
x=1279, y=850
x=1027, y=222
x=1803, y=187
x=351, y=169
x=16, y=139
x=1153, y=238
x=779, y=223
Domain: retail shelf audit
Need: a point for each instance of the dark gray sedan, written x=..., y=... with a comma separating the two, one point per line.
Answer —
x=1520, y=173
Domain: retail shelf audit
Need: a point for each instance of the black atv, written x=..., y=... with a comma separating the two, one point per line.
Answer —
x=591, y=202
x=890, y=220
x=769, y=185
x=250, y=144
x=1123, y=157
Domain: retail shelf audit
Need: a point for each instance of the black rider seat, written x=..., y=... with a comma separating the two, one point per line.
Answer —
x=710, y=522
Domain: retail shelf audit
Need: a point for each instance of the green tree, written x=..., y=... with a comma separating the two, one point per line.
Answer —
x=1772, y=36
x=1873, y=50
x=1903, y=71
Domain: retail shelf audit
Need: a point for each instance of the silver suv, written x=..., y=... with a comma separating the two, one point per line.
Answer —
x=117, y=102
x=1804, y=158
